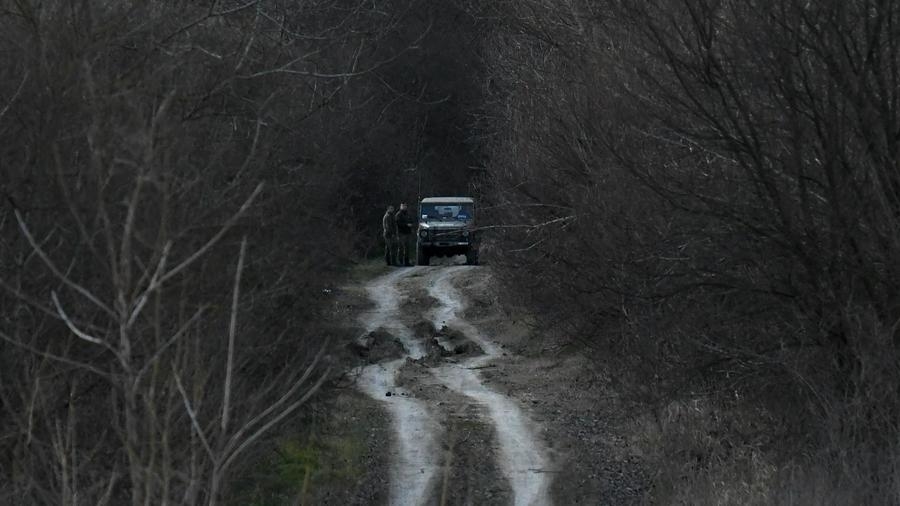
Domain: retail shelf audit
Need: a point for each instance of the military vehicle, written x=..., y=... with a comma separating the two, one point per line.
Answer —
x=447, y=228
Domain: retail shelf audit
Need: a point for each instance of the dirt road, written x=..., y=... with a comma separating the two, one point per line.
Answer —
x=468, y=410
x=417, y=463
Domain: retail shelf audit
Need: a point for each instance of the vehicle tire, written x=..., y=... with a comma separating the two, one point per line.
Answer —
x=472, y=257
x=421, y=256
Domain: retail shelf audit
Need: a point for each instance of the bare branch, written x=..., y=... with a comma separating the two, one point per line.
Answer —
x=14, y=97
x=286, y=68
x=156, y=356
x=249, y=44
x=192, y=415
x=75, y=330
x=64, y=360
x=209, y=244
x=287, y=411
x=236, y=438
x=232, y=331
x=142, y=300
x=65, y=279
x=110, y=486
x=37, y=305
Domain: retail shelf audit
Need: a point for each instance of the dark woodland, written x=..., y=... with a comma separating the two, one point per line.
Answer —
x=702, y=195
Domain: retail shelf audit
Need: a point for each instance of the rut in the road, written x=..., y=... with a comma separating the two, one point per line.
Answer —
x=522, y=455
x=416, y=459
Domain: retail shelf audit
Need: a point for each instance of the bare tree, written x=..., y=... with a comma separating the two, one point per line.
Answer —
x=729, y=171
x=159, y=300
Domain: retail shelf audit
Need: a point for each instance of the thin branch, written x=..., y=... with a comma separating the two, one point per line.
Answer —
x=209, y=244
x=142, y=300
x=67, y=196
x=57, y=358
x=285, y=69
x=529, y=248
x=235, y=439
x=14, y=97
x=37, y=305
x=110, y=487
x=192, y=415
x=180, y=332
x=75, y=330
x=123, y=278
x=563, y=219
x=287, y=411
x=249, y=44
x=255, y=144
x=232, y=331
x=65, y=279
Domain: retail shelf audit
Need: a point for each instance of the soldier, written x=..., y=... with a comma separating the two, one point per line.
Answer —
x=406, y=232
x=389, y=224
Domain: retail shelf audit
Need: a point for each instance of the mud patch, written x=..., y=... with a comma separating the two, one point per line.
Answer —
x=415, y=300
x=455, y=343
x=378, y=345
x=424, y=328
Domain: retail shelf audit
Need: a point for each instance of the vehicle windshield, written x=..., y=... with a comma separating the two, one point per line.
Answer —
x=447, y=212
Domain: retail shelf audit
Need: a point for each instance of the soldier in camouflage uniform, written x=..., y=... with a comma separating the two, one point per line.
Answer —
x=389, y=225
x=406, y=234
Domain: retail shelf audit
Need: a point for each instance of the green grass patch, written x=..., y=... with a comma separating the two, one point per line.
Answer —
x=297, y=467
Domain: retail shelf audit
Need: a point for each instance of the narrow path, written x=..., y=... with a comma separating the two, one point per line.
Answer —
x=416, y=456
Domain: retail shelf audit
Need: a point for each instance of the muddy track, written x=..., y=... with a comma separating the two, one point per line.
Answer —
x=456, y=440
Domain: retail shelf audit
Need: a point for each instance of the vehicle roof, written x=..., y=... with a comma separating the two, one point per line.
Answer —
x=448, y=200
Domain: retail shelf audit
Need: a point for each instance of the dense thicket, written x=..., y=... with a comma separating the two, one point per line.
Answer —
x=180, y=180
x=708, y=194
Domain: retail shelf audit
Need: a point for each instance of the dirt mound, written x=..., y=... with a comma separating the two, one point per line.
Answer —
x=378, y=345
x=454, y=342
x=417, y=301
x=424, y=329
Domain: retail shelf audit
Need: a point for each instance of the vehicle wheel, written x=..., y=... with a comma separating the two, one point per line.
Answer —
x=472, y=257
x=421, y=256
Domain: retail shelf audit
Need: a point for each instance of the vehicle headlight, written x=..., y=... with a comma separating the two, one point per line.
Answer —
x=423, y=234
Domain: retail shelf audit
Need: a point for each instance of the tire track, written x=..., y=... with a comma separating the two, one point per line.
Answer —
x=522, y=455
x=416, y=458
